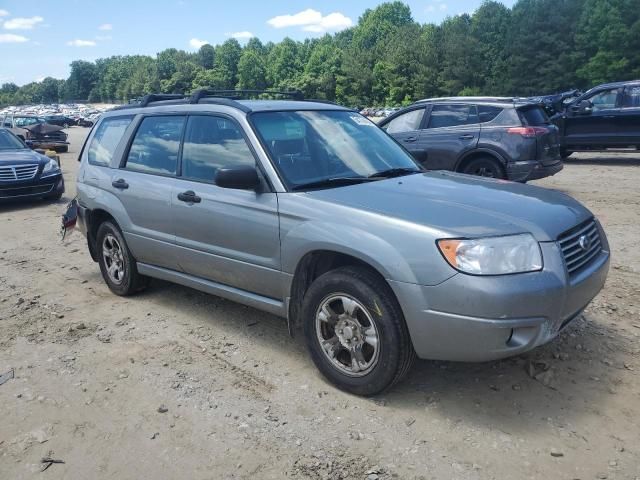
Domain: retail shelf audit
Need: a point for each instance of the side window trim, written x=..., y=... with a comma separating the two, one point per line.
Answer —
x=138, y=122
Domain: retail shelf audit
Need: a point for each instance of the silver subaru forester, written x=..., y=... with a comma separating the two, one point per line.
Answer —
x=309, y=211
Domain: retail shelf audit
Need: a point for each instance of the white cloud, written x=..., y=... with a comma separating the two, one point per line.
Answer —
x=196, y=43
x=105, y=27
x=11, y=38
x=81, y=43
x=3, y=13
x=312, y=21
x=244, y=35
x=22, y=23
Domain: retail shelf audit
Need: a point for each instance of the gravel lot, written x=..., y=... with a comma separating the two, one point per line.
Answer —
x=177, y=384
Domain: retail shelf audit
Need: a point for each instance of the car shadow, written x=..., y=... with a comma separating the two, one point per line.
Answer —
x=23, y=205
x=572, y=374
x=605, y=160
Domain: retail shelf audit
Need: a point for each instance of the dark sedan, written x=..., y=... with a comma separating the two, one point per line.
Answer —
x=25, y=174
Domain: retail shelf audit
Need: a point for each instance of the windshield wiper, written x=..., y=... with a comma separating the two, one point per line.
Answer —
x=395, y=172
x=332, y=182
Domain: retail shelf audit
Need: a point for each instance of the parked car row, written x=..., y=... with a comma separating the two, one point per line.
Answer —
x=309, y=211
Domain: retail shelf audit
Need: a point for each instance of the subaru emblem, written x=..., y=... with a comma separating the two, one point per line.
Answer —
x=585, y=242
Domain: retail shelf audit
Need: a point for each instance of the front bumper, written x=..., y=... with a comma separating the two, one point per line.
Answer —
x=474, y=319
x=30, y=189
x=532, y=170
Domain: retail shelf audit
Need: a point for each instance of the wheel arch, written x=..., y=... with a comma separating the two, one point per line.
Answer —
x=479, y=153
x=95, y=218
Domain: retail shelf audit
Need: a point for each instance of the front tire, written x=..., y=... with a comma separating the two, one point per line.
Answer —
x=355, y=331
x=484, y=167
x=117, y=265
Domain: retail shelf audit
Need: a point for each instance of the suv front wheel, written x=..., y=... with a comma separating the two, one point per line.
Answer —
x=355, y=331
x=117, y=265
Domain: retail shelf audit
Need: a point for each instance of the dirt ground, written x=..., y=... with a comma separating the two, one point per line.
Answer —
x=174, y=383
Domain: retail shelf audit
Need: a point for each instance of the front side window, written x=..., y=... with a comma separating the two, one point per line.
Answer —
x=212, y=143
x=156, y=145
x=25, y=121
x=605, y=100
x=321, y=146
x=406, y=122
x=106, y=139
x=631, y=97
x=452, y=116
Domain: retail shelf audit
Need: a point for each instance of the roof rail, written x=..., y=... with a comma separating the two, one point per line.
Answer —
x=158, y=97
x=242, y=94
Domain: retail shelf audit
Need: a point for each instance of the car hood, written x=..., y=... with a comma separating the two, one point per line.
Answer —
x=16, y=157
x=464, y=206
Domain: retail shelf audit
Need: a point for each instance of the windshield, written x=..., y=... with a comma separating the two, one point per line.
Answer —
x=9, y=142
x=309, y=147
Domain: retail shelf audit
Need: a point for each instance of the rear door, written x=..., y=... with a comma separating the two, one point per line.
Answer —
x=596, y=128
x=628, y=120
x=406, y=129
x=451, y=131
x=226, y=235
x=144, y=184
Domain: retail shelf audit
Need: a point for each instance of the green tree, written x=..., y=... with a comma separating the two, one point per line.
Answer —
x=251, y=71
x=227, y=58
x=206, y=56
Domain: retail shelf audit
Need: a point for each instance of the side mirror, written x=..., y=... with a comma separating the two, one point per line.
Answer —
x=240, y=178
x=585, y=107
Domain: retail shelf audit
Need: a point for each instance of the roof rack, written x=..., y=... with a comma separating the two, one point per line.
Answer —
x=243, y=94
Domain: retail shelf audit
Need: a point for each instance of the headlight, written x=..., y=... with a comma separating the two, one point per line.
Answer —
x=493, y=255
x=51, y=168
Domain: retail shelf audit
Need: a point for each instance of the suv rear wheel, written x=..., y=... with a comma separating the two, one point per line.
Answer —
x=355, y=331
x=484, y=167
x=117, y=265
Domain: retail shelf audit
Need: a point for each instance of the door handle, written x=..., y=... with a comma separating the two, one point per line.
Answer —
x=120, y=184
x=189, y=196
x=467, y=137
x=410, y=139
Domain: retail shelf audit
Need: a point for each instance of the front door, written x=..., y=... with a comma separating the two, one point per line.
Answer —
x=452, y=130
x=628, y=120
x=229, y=236
x=595, y=127
x=405, y=128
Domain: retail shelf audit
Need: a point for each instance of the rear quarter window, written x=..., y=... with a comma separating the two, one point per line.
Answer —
x=533, y=116
x=487, y=113
x=106, y=139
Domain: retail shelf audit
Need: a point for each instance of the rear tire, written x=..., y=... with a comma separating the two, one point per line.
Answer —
x=117, y=265
x=355, y=331
x=484, y=167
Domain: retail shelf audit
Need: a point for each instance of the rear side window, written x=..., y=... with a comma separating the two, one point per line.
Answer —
x=106, y=139
x=533, y=116
x=631, y=97
x=156, y=145
x=488, y=113
x=452, y=115
x=406, y=122
x=212, y=143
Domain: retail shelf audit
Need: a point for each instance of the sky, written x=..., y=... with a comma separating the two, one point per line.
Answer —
x=40, y=38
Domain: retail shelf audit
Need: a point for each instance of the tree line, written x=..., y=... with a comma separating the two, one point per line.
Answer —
x=535, y=47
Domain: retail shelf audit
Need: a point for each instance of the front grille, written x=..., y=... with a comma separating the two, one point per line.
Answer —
x=18, y=172
x=580, y=245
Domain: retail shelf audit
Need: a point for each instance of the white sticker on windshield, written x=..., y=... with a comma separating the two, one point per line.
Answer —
x=361, y=121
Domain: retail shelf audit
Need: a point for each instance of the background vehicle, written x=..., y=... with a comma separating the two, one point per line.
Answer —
x=490, y=137
x=60, y=120
x=26, y=174
x=297, y=208
x=49, y=138
x=605, y=117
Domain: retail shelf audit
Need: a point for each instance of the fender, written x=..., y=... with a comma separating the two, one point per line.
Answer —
x=489, y=150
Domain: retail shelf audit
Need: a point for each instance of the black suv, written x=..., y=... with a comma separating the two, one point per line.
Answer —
x=607, y=116
x=491, y=137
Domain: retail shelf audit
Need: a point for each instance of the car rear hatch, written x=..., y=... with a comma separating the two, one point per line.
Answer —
x=537, y=125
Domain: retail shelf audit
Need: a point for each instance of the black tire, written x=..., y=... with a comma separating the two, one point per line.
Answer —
x=484, y=167
x=66, y=125
x=131, y=281
x=55, y=197
x=64, y=149
x=565, y=154
x=395, y=353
